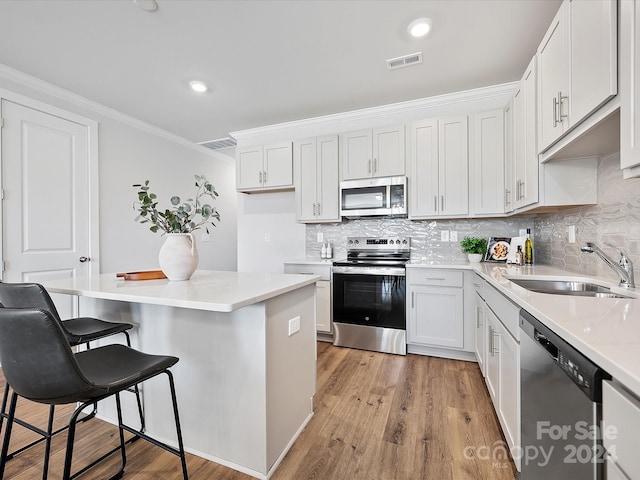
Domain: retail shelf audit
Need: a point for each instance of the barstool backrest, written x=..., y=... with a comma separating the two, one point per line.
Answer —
x=26, y=295
x=36, y=357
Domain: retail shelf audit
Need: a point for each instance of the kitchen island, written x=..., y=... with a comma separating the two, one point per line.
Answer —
x=245, y=382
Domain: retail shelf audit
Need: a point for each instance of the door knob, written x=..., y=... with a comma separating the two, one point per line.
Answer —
x=84, y=259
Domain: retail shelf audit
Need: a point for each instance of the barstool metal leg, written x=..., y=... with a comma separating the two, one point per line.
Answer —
x=183, y=459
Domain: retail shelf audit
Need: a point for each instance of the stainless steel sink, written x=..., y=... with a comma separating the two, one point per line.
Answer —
x=563, y=287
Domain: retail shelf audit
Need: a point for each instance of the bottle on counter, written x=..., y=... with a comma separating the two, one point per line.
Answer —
x=528, y=249
x=323, y=251
x=329, y=250
x=519, y=256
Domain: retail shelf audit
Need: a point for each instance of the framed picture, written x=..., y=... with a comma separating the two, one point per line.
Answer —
x=498, y=249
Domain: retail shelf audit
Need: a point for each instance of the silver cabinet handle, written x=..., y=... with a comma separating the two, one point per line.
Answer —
x=260, y=178
x=264, y=176
x=375, y=165
x=495, y=347
x=314, y=209
x=319, y=209
x=435, y=278
x=560, y=99
x=84, y=259
x=442, y=203
x=369, y=166
x=478, y=315
x=491, y=340
x=412, y=298
x=521, y=189
x=507, y=195
x=555, y=112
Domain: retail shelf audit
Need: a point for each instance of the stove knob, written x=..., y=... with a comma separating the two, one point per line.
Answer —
x=356, y=242
x=397, y=242
x=350, y=241
x=404, y=242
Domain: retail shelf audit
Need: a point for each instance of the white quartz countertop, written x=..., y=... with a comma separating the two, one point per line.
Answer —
x=605, y=330
x=311, y=261
x=216, y=291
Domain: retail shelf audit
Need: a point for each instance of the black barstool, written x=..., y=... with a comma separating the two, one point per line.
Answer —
x=78, y=331
x=40, y=365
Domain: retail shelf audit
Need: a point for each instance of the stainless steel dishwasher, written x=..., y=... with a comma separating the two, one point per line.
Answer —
x=561, y=396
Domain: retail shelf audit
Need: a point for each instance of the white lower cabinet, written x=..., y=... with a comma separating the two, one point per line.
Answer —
x=324, y=305
x=502, y=362
x=621, y=424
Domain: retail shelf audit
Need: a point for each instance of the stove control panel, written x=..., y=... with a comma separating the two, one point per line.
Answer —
x=378, y=243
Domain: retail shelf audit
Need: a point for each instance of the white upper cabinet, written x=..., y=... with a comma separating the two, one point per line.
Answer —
x=373, y=153
x=526, y=165
x=577, y=66
x=509, y=159
x=487, y=163
x=316, y=179
x=268, y=167
x=630, y=86
x=439, y=168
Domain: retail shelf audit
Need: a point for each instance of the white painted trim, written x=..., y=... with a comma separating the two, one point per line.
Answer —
x=67, y=96
x=380, y=111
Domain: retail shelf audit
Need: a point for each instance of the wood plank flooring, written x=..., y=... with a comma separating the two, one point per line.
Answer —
x=377, y=417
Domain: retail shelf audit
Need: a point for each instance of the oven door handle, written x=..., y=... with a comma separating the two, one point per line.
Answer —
x=391, y=271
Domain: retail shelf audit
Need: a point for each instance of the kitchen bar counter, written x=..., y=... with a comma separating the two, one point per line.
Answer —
x=244, y=384
x=606, y=330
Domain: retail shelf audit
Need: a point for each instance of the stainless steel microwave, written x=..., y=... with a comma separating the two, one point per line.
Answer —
x=373, y=196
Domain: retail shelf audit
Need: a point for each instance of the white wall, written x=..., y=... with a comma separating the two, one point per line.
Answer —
x=130, y=153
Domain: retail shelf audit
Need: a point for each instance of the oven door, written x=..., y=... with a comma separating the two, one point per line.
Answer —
x=368, y=296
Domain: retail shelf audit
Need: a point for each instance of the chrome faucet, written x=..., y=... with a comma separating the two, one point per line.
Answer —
x=624, y=267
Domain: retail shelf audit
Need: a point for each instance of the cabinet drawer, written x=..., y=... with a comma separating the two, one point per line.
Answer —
x=621, y=411
x=479, y=285
x=507, y=312
x=435, y=277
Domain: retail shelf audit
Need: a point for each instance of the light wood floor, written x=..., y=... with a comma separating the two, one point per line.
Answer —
x=377, y=417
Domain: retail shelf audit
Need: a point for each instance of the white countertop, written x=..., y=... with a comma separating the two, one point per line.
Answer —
x=311, y=261
x=216, y=291
x=606, y=330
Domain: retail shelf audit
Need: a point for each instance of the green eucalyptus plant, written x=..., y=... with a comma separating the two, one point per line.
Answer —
x=184, y=216
x=474, y=245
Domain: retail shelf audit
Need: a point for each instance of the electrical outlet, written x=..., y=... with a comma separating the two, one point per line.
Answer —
x=453, y=236
x=267, y=237
x=320, y=237
x=294, y=325
x=571, y=234
x=444, y=235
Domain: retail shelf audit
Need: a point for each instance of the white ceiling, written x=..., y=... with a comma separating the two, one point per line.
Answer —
x=265, y=61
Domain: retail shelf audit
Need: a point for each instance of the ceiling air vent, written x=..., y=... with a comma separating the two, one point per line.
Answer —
x=220, y=143
x=405, y=61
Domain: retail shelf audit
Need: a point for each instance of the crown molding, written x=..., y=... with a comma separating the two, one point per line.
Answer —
x=336, y=119
x=62, y=94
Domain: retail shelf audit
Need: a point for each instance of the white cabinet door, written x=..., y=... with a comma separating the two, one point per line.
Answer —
x=453, y=172
x=388, y=151
x=525, y=147
x=481, y=335
x=357, y=154
x=328, y=196
x=278, y=165
x=316, y=172
x=436, y=317
x=554, y=74
x=509, y=158
x=323, y=306
x=423, y=167
x=593, y=56
x=509, y=403
x=488, y=163
x=305, y=167
x=493, y=368
x=249, y=168
x=629, y=83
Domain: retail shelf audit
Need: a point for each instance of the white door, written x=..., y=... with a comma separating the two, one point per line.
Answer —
x=46, y=177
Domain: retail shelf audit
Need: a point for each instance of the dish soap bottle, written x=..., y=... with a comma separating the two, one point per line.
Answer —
x=329, y=250
x=528, y=249
x=323, y=251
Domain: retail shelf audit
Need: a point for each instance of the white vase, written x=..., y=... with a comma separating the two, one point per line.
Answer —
x=178, y=256
x=474, y=257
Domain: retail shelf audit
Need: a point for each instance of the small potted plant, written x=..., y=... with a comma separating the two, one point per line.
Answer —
x=178, y=256
x=475, y=247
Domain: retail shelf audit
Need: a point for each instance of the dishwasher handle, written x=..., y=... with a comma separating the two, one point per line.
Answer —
x=546, y=344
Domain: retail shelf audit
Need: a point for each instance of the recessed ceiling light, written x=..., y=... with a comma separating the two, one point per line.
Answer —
x=198, y=86
x=420, y=27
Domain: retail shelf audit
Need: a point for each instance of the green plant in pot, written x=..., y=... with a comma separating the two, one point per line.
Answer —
x=475, y=247
x=178, y=256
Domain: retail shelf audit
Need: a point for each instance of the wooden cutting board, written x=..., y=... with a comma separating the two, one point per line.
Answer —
x=142, y=275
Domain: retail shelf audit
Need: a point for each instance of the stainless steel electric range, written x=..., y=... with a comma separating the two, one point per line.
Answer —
x=369, y=295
